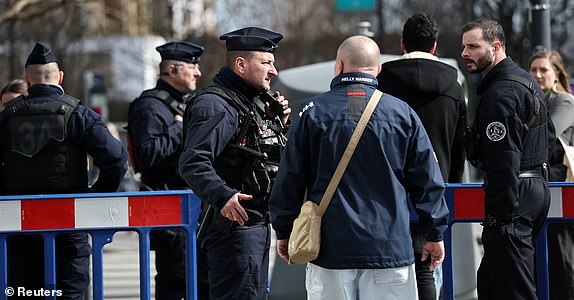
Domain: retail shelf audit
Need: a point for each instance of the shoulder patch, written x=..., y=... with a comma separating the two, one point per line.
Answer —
x=495, y=131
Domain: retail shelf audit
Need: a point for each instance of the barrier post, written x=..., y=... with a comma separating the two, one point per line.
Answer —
x=144, y=263
x=3, y=266
x=99, y=240
x=190, y=215
x=50, y=262
x=447, y=265
x=542, y=263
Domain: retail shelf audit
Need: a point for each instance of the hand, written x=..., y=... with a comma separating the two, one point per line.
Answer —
x=434, y=251
x=233, y=210
x=283, y=249
x=283, y=103
x=178, y=118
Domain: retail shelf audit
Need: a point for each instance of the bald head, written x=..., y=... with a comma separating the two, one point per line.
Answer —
x=358, y=54
x=44, y=74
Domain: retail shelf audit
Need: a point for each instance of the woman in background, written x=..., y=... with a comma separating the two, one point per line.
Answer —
x=548, y=70
x=12, y=90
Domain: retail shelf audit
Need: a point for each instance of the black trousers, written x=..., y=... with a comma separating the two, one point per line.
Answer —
x=561, y=260
x=26, y=264
x=425, y=277
x=507, y=267
x=169, y=246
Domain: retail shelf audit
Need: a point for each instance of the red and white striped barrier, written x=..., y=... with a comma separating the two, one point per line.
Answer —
x=469, y=203
x=69, y=213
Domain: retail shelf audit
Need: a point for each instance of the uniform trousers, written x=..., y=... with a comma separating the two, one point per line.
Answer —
x=507, y=267
x=364, y=284
x=238, y=262
x=26, y=264
x=169, y=246
x=561, y=260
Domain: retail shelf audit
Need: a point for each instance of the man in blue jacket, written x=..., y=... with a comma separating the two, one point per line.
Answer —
x=366, y=248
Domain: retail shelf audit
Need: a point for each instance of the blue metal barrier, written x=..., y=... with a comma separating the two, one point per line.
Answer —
x=466, y=205
x=101, y=215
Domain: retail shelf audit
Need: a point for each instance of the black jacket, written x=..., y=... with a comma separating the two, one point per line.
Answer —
x=430, y=87
x=507, y=146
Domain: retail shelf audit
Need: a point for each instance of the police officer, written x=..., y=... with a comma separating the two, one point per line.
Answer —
x=155, y=130
x=45, y=138
x=233, y=135
x=511, y=135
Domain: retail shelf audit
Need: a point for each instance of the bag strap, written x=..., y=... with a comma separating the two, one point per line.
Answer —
x=349, y=151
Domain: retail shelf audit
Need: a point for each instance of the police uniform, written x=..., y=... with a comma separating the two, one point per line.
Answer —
x=231, y=146
x=156, y=139
x=512, y=133
x=45, y=138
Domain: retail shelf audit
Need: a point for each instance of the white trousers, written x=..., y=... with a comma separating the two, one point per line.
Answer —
x=361, y=284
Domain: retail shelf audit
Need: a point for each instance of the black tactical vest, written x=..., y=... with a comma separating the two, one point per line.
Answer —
x=250, y=161
x=176, y=107
x=38, y=157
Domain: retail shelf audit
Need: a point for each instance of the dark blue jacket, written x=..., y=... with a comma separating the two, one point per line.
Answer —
x=507, y=145
x=366, y=225
x=157, y=139
x=210, y=124
x=87, y=130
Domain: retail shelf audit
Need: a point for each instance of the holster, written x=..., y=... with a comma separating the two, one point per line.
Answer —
x=471, y=146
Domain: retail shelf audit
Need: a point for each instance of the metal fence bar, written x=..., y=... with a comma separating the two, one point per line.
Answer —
x=99, y=240
x=49, y=262
x=3, y=267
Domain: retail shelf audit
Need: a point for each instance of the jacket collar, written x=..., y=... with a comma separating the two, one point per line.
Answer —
x=354, y=78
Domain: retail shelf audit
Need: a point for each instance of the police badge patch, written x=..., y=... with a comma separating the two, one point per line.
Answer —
x=495, y=131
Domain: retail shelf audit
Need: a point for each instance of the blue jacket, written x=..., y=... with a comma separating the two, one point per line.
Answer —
x=366, y=225
x=157, y=139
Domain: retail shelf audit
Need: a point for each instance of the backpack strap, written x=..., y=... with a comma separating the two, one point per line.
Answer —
x=175, y=106
x=536, y=117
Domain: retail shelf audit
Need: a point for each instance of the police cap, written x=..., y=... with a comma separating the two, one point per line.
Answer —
x=40, y=55
x=251, y=39
x=180, y=51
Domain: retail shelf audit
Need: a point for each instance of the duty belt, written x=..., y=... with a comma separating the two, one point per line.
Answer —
x=540, y=172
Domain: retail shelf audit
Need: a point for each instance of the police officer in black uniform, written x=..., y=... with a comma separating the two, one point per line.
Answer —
x=510, y=139
x=233, y=134
x=155, y=130
x=45, y=138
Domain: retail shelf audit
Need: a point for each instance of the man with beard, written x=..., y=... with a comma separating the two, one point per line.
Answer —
x=510, y=137
x=233, y=137
x=156, y=134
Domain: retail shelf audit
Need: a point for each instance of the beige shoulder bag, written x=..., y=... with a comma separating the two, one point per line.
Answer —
x=305, y=238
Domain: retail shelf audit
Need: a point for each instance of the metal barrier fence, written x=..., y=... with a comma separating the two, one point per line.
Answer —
x=466, y=205
x=101, y=215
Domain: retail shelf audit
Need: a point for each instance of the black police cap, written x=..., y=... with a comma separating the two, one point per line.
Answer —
x=40, y=55
x=251, y=39
x=180, y=51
